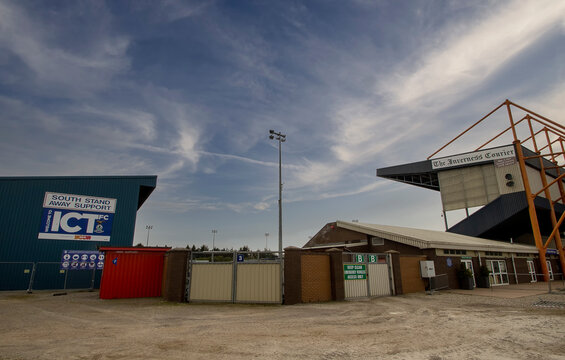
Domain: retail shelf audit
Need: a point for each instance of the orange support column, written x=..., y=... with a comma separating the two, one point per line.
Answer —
x=532, y=211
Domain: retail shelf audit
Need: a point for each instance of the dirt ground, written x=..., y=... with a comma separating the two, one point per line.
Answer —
x=440, y=326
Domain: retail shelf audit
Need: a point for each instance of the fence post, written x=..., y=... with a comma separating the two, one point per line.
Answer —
x=92, y=281
x=366, y=258
x=234, y=277
x=30, y=287
x=337, y=277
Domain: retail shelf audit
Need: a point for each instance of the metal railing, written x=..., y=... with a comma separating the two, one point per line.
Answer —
x=438, y=282
x=42, y=275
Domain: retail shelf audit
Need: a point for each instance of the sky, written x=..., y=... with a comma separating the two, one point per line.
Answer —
x=188, y=91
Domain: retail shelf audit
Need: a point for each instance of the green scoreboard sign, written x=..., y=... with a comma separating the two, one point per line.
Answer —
x=355, y=272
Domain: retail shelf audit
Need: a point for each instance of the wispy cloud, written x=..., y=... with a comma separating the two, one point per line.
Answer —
x=172, y=10
x=56, y=69
x=473, y=52
x=408, y=102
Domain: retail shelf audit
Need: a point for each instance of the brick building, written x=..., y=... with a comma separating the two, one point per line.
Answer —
x=508, y=263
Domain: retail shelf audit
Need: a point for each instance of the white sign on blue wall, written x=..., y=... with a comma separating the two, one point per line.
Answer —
x=82, y=260
x=77, y=217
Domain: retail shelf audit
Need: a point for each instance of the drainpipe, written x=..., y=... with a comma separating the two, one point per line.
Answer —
x=513, y=263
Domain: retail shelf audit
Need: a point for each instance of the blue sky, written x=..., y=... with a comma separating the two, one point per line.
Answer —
x=188, y=90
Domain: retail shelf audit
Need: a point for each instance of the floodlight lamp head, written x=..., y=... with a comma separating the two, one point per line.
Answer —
x=271, y=137
x=271, y=131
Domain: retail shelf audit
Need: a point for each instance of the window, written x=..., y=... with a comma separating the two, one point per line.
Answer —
x=493, y=253
x=454, y=252
x=377, y=241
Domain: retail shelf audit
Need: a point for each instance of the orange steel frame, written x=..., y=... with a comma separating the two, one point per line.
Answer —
x=544, y=140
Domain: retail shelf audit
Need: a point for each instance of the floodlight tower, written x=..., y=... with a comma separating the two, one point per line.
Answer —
x=280, y=138
x=148, y=228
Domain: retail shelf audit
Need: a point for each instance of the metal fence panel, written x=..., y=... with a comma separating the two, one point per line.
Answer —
x=211, y=282
x=440, y=281
x=45, y=276
x=355, y=288
x=258, y=283
x=379, y=280
x=16, y=275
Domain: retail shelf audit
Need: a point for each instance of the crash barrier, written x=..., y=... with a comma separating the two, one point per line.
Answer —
x=235, y=277
x=45, y=276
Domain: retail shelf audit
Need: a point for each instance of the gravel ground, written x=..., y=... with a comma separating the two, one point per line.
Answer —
x=417, y=326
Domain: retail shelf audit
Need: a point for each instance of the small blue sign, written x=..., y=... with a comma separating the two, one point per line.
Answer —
x=449, y=262
x=240, y=257
x=115, y=261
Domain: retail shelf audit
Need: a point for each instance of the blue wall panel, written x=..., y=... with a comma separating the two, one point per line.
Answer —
x=21, y=209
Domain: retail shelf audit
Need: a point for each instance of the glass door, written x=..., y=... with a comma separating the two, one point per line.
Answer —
x=549, y=269
x=532, y=271
x=498, y=272
x=469, y=265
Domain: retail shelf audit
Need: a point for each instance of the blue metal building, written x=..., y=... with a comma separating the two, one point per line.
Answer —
x=43, y=217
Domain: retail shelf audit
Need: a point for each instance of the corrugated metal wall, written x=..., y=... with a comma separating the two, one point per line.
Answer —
x=21, y=207
x=132, y=273
x=258, y=283
x=514, y=171
x=211, y=282
x=468, y=187
x=536, y=184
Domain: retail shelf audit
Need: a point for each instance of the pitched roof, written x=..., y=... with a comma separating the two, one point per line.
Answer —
x=432, y=239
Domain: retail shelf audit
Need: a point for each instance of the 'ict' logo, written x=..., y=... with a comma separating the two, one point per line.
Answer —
x=70, y=222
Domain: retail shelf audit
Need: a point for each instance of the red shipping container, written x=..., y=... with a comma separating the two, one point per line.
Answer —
x=132, y=272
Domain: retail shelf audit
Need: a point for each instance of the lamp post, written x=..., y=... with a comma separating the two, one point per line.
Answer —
x=266, y=241
x=148, y=227
x=280, y=138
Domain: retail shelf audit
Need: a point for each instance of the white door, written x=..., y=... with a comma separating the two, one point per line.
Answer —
x=469, y=265
x=549, y=269
x=532, y=271
x=498, y=273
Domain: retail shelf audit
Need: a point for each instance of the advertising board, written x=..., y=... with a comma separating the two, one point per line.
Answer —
x=506, y=153
x=76, y=217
